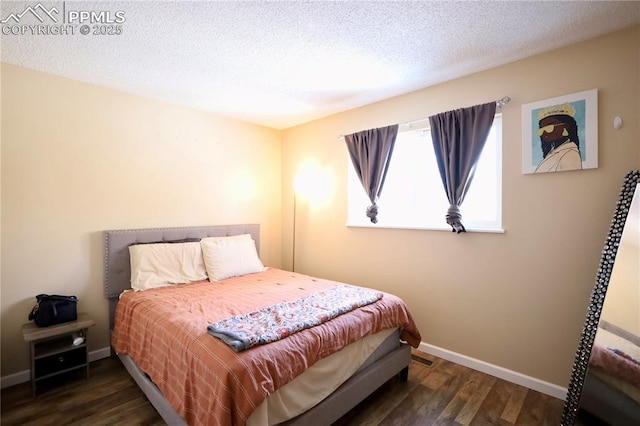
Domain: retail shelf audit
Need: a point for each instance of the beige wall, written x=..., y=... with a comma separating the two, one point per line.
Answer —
x=78, y=159
x=518, y=299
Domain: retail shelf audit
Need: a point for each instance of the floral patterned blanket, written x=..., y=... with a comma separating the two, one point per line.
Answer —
x=275, y=322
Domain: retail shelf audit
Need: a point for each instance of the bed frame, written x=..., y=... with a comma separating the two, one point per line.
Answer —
x=379, y=368
x=608, y=403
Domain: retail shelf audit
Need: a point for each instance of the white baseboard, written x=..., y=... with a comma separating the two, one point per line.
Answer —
x=15, y=379
x=99, y=354
x=25, y=375
x=484, y=367
x=496, y=371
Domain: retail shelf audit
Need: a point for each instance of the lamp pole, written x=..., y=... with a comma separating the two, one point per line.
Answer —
x=293, y=252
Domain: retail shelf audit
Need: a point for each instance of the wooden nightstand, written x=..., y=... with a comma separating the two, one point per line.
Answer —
x=52, y=351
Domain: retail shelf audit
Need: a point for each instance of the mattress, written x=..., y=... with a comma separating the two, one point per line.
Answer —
x=321, y=379
x=164, y=332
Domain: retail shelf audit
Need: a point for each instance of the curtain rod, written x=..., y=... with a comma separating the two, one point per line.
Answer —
x=499, y=104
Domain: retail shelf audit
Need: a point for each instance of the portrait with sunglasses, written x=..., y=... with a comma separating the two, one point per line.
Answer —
x=558, y=132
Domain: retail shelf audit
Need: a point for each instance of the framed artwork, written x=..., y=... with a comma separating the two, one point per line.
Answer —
x=560, y=134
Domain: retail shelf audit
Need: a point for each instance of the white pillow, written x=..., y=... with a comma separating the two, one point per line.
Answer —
x=226, y=257
x=159, y=265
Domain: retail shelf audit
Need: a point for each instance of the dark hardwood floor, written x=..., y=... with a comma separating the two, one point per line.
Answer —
x=442, y=393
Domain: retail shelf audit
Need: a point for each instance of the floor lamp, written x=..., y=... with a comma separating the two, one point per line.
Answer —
x=293, y=245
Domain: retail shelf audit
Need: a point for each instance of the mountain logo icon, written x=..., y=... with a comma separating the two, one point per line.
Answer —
x=39, y=11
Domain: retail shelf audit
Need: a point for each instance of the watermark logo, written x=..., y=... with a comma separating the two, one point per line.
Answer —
x=37, y=11
x=56, y=19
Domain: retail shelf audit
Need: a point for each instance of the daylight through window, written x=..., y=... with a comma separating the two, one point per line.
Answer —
x=413, y=195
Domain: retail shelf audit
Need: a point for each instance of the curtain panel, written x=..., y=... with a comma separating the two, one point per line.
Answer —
x=458, y=139
x=370, y=152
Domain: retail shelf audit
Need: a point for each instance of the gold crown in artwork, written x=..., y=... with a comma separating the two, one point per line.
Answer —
x=560, y=109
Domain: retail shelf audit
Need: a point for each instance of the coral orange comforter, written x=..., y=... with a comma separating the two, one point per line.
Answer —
x=164, y=330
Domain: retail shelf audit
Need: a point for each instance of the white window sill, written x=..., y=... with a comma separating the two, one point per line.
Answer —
x=427, y=228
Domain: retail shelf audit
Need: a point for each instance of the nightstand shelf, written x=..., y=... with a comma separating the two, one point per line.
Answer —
x=52, y=351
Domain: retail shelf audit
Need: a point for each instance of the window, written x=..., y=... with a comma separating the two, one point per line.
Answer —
x=413, y=195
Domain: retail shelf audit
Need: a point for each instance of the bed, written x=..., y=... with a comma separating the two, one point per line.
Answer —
x=313, y=376
x=611, y=389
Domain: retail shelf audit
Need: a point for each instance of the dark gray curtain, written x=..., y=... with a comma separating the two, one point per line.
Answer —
x=458, y=138
x=370, y=152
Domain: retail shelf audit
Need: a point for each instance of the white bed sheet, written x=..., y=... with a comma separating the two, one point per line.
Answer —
x=316, y=383
x=611, y=340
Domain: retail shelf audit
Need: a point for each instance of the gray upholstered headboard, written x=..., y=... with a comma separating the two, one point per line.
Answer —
x=117, y=266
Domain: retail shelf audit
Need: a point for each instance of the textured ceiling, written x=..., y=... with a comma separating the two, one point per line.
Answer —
x=284, y=63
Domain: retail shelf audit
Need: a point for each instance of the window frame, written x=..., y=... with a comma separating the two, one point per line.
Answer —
x=495, y=226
